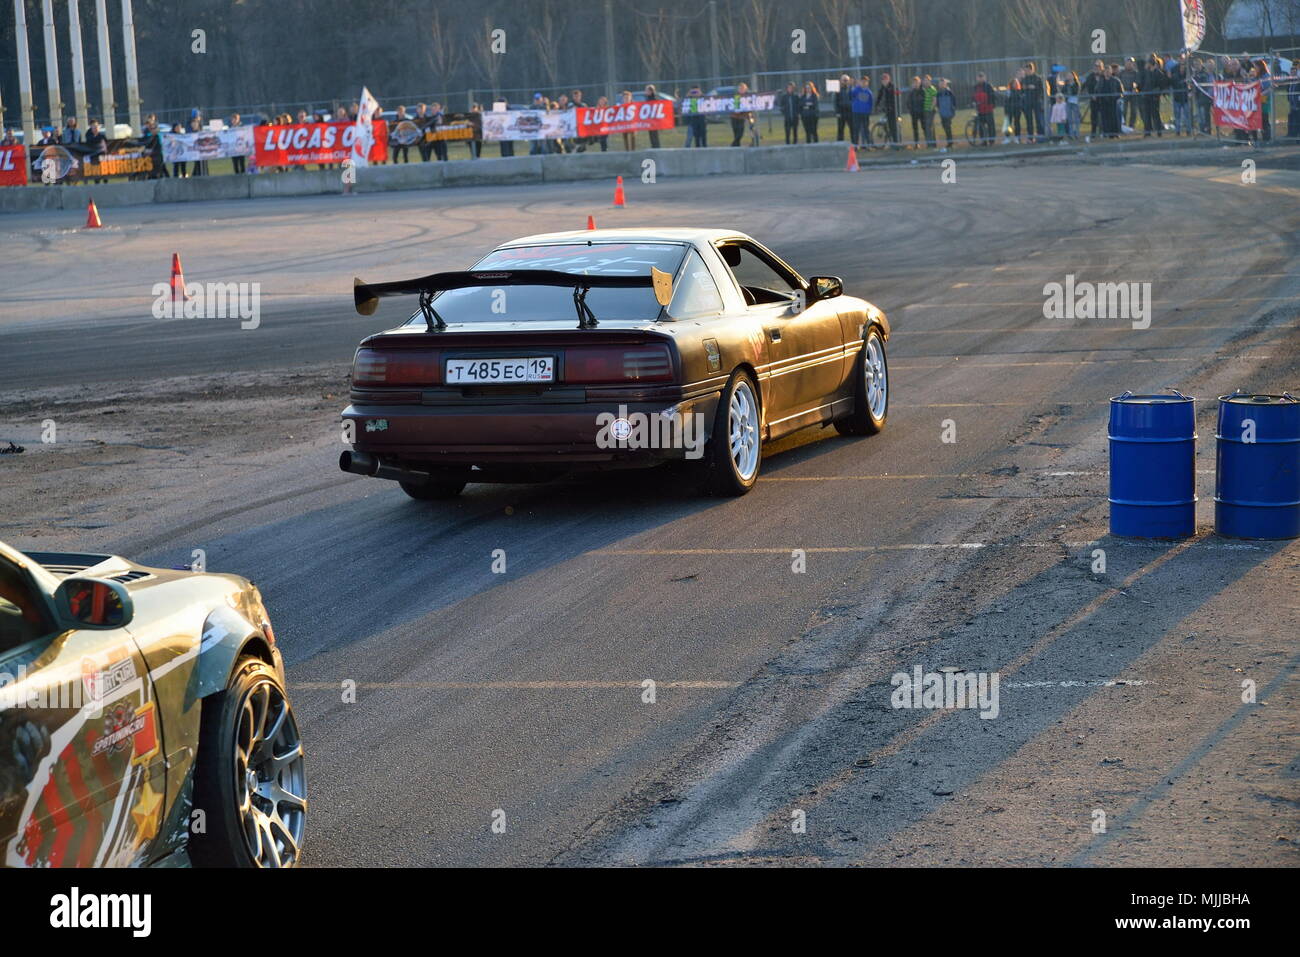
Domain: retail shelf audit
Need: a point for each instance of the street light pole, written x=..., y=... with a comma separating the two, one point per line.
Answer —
x=107, y=108
x=52, y=66
x=78, y=63
x=610, y=64
x=713, y=42
x=132, y=80
x=27, y=117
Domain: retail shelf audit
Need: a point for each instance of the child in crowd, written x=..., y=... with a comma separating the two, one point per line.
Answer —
x=1061, y=117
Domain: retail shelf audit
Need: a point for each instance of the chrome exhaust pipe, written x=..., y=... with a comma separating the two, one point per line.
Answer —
x=358, y=463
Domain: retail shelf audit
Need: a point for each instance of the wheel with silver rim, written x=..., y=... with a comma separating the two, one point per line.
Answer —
x=871, y=389
x=734, y=454
x=250, y=780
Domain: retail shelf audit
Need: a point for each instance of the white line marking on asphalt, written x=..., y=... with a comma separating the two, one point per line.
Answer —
x=930, y=546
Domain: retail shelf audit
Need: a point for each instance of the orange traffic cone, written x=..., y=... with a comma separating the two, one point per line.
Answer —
x=852, y=166
x=591, y=222
x=178, y=279
x=92, y=217
x=618, y=193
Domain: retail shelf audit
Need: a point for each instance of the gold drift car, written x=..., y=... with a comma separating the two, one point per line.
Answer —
x=143, y=718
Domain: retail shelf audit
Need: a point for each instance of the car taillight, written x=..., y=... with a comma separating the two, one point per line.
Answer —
x=651, y=363
x=397, y=367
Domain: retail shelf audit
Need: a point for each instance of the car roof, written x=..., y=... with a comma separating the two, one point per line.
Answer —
x=671, y=234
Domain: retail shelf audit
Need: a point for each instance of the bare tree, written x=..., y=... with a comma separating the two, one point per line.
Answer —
x=900, y=21
x=831, y=20
x=546, y=22
x=486, y=62
x=444, y=47
x=653, y=37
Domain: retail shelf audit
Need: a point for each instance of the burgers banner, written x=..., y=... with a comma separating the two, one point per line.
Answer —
x=1237, y=105
x=13, y=166
x=625, y=118
x=75, y=162
x=301, y=143
x=207, y=144
x=454, y=126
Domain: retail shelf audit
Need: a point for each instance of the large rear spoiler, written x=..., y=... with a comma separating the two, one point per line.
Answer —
x=366, y=296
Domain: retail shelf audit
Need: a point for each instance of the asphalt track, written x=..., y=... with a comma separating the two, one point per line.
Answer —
x=521, y=692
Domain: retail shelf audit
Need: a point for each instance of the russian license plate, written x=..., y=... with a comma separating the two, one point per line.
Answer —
x=479, y=371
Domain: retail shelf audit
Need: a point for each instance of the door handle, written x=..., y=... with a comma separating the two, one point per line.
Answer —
x=774, y=334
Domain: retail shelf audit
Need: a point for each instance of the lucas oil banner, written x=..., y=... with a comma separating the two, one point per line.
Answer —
x=74, y=162
x=625, y=118
x=1237, y=105
x=13, y=166
x=299, y=144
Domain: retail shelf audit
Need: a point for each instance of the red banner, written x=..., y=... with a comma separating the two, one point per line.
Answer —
x=13, y=166
x=302, y=143
x=1238, y=105
x=625, y=118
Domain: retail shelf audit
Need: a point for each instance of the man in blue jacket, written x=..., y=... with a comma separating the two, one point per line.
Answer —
x=862, y=103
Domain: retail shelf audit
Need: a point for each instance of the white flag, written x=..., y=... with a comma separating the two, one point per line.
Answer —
x=363, y=136
x=1193, y=23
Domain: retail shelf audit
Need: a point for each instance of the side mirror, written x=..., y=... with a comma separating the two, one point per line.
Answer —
x=93, y=603
x=824, y=287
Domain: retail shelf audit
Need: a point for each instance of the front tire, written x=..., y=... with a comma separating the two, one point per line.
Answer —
x=871, y=390
x=734, y=455
x=248, y=779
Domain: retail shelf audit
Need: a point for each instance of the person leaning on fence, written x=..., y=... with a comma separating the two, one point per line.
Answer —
x=1261, y=74
x=946, y=105
x=70, y=132
x=861, y=103
x=887, y=102
x=810, y=112
x=790, y=105
x=844, y=108
x=985, y=99
x=1152, y=82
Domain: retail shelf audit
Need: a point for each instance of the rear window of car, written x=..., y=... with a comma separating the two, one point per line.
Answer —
x=552, y=303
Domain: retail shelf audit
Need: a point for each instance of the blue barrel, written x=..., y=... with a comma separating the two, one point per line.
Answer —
x=1257, y=491
x=1153, y=466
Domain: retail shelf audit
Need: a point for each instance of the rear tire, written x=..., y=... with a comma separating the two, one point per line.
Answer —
x=442, y=484
x=734, y=455
x=871, y=392
x=248, y=777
